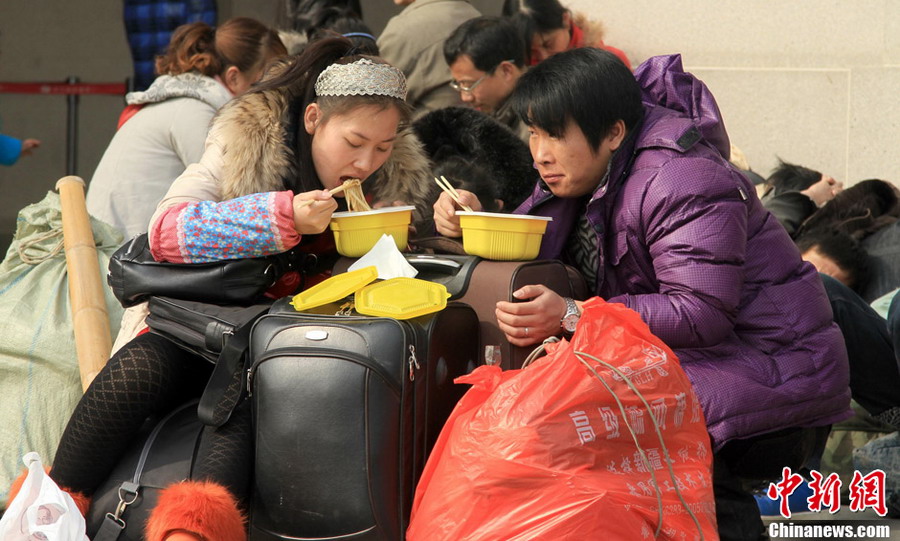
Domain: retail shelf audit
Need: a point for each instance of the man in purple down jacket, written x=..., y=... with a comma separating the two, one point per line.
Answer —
x=636, y=178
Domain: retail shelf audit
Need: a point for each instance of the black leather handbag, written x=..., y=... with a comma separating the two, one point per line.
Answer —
x=219, y=334
x=134, y=276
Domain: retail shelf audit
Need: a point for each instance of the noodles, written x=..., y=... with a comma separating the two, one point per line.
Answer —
x=356, y=200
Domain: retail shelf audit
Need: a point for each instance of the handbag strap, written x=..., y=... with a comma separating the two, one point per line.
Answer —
x=114, y=523
x=226, y=384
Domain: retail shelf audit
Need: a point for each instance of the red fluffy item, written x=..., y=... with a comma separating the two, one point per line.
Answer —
x=199, y=507
x=81, y=501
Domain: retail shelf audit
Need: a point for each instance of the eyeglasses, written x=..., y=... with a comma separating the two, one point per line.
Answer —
x=459, y=87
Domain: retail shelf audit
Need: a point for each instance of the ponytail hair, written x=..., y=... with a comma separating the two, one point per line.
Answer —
x=241, y=42
x=191, y=48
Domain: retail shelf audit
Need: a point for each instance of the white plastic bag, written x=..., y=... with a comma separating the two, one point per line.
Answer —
x=41, y=511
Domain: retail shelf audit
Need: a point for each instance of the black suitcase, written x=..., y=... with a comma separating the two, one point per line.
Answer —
x=345, y=411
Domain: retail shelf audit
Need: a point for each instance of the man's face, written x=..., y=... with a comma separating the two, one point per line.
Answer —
x=568, y=164
x=491, y=89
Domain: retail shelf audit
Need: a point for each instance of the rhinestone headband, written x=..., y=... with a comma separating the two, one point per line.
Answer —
x=361, y=78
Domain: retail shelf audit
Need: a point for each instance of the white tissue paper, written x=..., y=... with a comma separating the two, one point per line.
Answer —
x=387, y=258
x=41, y=511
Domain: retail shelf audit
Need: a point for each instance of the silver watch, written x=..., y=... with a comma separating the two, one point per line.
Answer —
x=570, y=320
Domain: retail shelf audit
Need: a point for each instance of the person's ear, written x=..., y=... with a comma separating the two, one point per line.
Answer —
x=567, y=19
x=499, y=203
x=311, y=117
x=230, y=78
x=507, y=69
x=616, y=134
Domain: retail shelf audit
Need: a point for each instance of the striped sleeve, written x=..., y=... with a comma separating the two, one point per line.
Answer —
x=203, y=231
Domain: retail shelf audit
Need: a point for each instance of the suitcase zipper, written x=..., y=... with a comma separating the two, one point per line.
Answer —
x=333, y=353
x=413, y=362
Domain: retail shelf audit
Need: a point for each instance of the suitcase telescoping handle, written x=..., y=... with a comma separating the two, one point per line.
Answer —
x=453, y=271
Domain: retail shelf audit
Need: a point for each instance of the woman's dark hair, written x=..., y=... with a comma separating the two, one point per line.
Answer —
x=532, y=17
x=297, y=81
x=241, y=42
x=789, y=177
x=587, y=86
x=488, y=41
x=352, y=28
x=300, y=15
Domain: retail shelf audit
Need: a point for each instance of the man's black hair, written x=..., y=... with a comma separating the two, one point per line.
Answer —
x=488, y=41
x=845, y=251
x=588, y=86
x=789, y=177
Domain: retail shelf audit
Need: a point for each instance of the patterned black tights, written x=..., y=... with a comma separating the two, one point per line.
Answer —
x=148, y=376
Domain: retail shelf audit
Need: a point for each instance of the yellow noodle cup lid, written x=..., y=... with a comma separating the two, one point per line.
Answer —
x=401, y=298
x=334, y=289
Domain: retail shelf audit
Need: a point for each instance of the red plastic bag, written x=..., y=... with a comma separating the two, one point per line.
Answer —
x=546, y=452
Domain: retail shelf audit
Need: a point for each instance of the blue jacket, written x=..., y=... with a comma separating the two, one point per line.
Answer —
x=10, y=150
x=685, y=242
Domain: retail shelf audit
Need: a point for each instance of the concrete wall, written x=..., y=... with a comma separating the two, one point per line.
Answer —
x=811, y=81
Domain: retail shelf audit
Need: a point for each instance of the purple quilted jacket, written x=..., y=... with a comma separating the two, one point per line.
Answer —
x=685, y=242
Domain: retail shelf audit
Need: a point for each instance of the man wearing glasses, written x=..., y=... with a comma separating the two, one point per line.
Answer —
x=486, y=56
x=412, y=42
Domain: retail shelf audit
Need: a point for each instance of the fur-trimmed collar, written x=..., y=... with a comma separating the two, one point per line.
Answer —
x=593, y=30
x=252, y=130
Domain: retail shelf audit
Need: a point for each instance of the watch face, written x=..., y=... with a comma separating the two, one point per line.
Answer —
x=570, y=322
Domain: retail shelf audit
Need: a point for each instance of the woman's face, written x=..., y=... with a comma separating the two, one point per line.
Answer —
x=546, y=44
x=352, y=144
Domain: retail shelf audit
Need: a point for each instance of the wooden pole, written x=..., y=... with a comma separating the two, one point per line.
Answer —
x=86, y=292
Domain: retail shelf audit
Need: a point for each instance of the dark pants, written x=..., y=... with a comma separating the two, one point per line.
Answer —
x=893, y=323
x=742, y=464
x=874, y=373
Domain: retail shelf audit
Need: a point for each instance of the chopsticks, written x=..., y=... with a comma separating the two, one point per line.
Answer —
x=332, y=191
x=451, y=191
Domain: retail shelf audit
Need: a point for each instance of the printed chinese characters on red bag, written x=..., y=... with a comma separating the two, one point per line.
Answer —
x=567, y=447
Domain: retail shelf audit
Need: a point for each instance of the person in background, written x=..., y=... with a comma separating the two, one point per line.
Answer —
x=164, y=128
x=149, y=25
x=645, y=204
x=486, y=56
x=549, y=28
x=413, y=41
x=313, y=122
x=315, y=19
x=11, y=149
x=847, y=234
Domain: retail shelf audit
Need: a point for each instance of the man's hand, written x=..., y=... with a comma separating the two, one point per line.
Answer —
x=824, y=190
x=530, y=322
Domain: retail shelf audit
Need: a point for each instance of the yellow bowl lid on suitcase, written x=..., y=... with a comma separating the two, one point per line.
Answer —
x=335, y=288
x=401, y=298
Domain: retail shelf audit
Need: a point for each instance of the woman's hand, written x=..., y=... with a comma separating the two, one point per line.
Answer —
x=445, y=219
x=310, y=219
x=530, y=322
